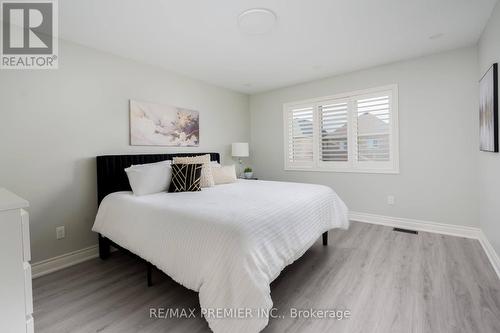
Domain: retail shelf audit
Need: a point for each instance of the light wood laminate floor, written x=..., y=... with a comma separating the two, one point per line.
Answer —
x=390, y=281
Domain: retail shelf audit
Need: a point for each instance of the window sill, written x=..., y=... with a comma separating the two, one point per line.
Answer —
x=374, y=171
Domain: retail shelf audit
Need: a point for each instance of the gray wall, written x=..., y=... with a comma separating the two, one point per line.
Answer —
x=489, y=163
x=54, y=123
x=438, y=126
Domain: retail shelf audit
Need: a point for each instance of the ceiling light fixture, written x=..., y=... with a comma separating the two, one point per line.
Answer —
x=436, y=36
x=257, y=21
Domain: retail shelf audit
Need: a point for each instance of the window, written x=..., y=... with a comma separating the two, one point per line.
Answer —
x=353, y=132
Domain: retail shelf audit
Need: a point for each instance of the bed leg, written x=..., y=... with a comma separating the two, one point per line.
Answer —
x=150, y=274
x=325, y=238
x=104, y=247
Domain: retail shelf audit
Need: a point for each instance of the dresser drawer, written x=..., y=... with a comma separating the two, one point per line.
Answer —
x=30, y=325
x=28, y=292
x=25, y=219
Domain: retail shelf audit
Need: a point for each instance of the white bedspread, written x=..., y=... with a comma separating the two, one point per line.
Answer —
x=228, y=242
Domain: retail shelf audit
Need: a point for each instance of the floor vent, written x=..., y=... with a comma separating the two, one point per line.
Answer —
x=408, y=231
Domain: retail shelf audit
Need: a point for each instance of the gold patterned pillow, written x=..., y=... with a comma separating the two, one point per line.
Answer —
x=185, y=178
x=207, y=179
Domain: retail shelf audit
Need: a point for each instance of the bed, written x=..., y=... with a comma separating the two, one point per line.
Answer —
x=227, y=242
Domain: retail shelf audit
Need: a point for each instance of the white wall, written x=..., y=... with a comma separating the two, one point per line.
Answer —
x=438, y=125
x=54, y=123
x=489, y=163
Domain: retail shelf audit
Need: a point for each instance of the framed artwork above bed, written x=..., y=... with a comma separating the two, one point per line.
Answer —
x=488, y=110
x=163, y=125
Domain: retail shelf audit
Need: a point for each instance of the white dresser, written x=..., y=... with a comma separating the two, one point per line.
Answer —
x=16, y=299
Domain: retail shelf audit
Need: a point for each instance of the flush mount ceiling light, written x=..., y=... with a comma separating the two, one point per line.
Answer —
x=257, y=21
x=436, y=36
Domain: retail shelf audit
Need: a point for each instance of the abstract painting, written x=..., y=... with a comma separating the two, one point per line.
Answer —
x=163, y=125
x=488, y=110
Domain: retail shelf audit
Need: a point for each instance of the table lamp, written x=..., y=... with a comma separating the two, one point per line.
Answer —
x=240, y=149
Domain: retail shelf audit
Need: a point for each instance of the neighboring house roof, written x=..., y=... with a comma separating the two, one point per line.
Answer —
x=367, y=124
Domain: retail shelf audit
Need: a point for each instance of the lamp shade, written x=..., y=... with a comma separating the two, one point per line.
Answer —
x=240, y=149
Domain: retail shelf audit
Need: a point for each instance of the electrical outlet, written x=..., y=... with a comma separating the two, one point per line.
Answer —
x=390, y=200
x=60, y=232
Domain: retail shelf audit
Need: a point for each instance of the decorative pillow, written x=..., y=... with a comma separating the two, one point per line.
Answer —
x=185, y=178
x=215, y=164
x=224, y=174
x=149, y=178
x=207, y=180
x=150, y=164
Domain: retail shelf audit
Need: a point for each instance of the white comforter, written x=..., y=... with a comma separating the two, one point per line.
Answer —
x=228, y=242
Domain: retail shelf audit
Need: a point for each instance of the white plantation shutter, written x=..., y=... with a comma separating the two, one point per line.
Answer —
x=352, y=132
x=300, y=122
x=373, y=121
x=333, y=142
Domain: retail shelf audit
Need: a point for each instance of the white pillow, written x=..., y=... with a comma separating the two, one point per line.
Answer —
x=149, y=178
x=150, y=164
x=213, y=165
x=224, y=174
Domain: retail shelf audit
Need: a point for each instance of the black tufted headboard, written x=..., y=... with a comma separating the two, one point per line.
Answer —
x=111, y=176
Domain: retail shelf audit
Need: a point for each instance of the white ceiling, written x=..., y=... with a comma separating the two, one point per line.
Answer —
x=312, y=39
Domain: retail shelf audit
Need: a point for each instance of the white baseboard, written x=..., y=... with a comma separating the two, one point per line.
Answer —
x=68, y=259
x=418, y=225
x=434, y=227
x=490, y=252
